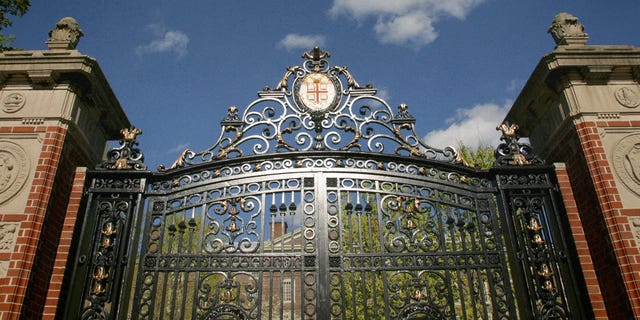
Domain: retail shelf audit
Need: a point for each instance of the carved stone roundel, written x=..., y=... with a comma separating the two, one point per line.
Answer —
x=627, y=97
x=626, y=161
x=13, y=102
x=14, y=169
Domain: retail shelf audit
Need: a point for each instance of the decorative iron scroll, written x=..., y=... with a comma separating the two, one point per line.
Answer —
x=104, y=261
x=543, y=258
x=201, y=176
x=106, y=257
x=102, y=256
x=406, y=250
x=311, y=109
x=229, y=252
x=126, y=156
x=321, y=202
x=512, y=152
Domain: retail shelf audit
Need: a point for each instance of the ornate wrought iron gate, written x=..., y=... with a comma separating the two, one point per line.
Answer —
x=324, y=207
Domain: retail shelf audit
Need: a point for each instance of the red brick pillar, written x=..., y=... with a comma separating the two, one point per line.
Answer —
x=56, y=112
x=616, y=216
x=611, y=253
x=62, y=266
x=581, y=107
x=33, y=247
x=582, y=246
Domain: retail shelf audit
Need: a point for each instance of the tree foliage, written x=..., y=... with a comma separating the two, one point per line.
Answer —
x=16, y=8
x=481, y=158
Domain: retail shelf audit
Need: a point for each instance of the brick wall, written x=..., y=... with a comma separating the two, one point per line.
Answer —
x=607, y=238
x=582, y=246
x=24, y=291
x=63, y=263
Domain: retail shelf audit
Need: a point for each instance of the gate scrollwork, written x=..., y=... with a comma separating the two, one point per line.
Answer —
x=107, y=255
x=319, y=201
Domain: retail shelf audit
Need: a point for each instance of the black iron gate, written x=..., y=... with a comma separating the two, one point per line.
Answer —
x=320, y=202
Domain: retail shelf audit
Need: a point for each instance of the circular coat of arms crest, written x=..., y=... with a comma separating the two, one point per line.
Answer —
x=316, y=93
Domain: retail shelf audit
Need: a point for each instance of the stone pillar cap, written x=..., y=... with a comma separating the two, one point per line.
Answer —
x=566, y=30
x=65, y=35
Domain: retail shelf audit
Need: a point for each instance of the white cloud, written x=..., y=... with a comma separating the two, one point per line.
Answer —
x=179, y=148
x=384, y=94
x=404, y=22
x=514, y=85
x=173, y=41
x=472, y=127
x=362, y=8
x=295, y=41
x=415, y=29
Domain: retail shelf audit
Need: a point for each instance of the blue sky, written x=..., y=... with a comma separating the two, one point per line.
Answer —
x=176, y=66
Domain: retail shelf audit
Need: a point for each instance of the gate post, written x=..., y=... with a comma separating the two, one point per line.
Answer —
x=546, y=273
x=103, y=263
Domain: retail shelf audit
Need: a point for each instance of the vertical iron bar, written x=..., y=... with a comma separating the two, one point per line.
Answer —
x=323, y=302
x=473, y=300
x=576, y=287
x=166, y=274
x=461, y=293
x=365, y=297
x=270, y=294
x=133, y=250
x=383, y=249
x=281, y=293
x=176, y=274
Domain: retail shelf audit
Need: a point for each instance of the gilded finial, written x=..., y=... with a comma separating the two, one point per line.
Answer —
x=513, y=152
x=130, y=134
x=316, y=54
x=126, y=156
x=508, y=130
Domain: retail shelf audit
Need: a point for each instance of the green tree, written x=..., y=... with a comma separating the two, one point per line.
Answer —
x=361, y=292
x=16, y=8
x=440, y=230
x=482, y=157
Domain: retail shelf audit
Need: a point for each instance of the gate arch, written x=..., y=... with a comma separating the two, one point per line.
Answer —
x=321, y=202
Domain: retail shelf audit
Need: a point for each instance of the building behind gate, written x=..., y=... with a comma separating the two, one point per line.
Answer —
x=318, y=200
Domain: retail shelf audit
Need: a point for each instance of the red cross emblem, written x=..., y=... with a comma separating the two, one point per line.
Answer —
x=317, y=91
